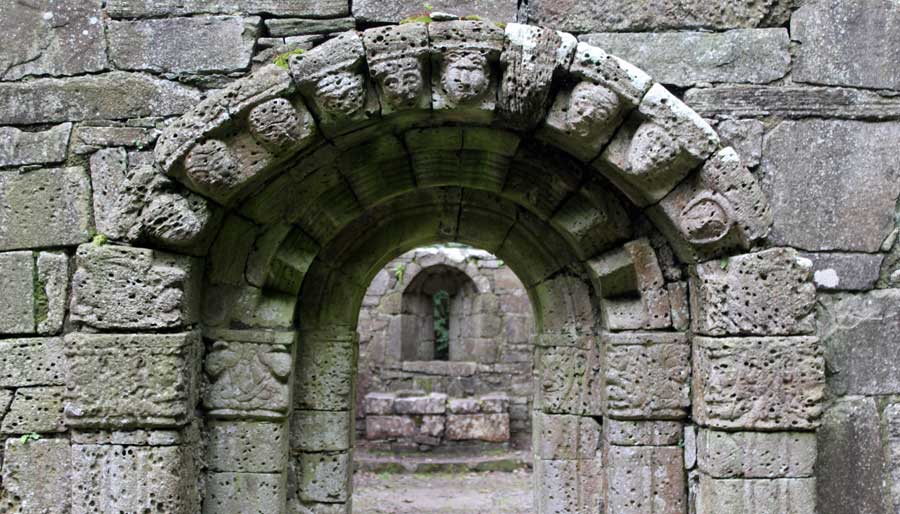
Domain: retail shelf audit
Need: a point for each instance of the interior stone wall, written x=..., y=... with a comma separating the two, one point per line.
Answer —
x=805, y=91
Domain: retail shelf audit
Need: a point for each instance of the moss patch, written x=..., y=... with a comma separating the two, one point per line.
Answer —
x=281, y=60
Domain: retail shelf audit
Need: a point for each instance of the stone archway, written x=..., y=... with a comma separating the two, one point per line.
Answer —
x=573, y=166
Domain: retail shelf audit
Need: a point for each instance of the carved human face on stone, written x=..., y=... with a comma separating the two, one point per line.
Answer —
x=652, y=148
x=706, y=219
x=341, y=93
x=465, y=76
x=591, y=107
x=275, y=123
x=211, y=164
x=401, y=82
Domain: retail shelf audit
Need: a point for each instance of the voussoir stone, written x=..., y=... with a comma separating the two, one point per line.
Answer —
x=36, y=476
x=213, y=44
x=50, y=207
x=19, y=148
x=125, y=380
x=133, y=288
x=754, y=56
x=109, y=96
x=812, y=169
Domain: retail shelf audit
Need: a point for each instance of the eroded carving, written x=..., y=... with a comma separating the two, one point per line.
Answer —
x=397, y=57
x=277, y=125
x=706, y=219
x=466, y=51
x=247, y=379
x=211, y=165
x=652, y=151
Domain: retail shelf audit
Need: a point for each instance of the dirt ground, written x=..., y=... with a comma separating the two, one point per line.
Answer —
x=443, y=493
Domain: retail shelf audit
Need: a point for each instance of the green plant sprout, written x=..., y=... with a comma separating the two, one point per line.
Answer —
x=281, y=60
x=27, y=438
x=399, y=271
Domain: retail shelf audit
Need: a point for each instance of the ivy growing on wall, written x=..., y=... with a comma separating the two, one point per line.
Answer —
x=441, y=301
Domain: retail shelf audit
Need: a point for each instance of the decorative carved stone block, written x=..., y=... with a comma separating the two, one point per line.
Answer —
x=756, y=454
x=560, y=379
x=647, y=377
x=117, y=287
x=246, y=446
x=125, y=380
x=117, y=478
x=248, y=380
x=244, y=492
x=764, y=293
x=645, y=480
x=281, y=125
x=761, y=383
x=720, y=207
x=465, y=56
x=788, y=495
x=398, y=61
x=36, y=476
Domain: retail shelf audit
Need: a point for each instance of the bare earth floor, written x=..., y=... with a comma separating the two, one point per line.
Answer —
x=443, y=493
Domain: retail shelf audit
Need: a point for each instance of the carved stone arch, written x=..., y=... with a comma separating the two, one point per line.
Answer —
x=572, y=165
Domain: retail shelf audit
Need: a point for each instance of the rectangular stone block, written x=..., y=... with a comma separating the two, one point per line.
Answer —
x=558, y=486
x=119, y=287
x=154, y=8
x=117, y=478
x=44, y=207
x=326, y=367
x=17, y=301
x=755, y=56
x=35, y=409
x=560, y=379
x=756, y=454
x=380, y=403
x=48, y=37
x=19, y=148
x=87, y=139
x=32, y=362
x=649, y=380
x=324, y=477
x=246, y=380
x=317, y=431
x=565, y=437
x=246, y=446
x=759, y=383
x=845, y=271
x=783, y=495
x=390, y=427
x=645, y=480
x=244, y=492
x=478, y=427
x=392, y=11
x=642, y=433
x=212, y=44
x=51, y=291
x=109, y=96
x=129, y=380
x=434, y=403
x=892, y=421
x=764, y=293
x=36, y=476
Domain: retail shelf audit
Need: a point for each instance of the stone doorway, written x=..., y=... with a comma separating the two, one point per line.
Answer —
x=606, y=195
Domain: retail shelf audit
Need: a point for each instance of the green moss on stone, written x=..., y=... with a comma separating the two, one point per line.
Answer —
x=281, y=60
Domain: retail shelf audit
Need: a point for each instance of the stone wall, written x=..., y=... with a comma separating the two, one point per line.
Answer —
x=495, y=344
x=806, y=91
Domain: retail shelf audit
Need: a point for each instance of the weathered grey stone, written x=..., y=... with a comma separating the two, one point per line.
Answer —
x=560, y=379
x=246, y=446
x=681, y=305
x=859, y=333
x=565, y=437
x=244, y=492
x=642, y=433
x=109, y=96
x=44, y=208
x=557, y=482
x=51, y=291
x=792, y=102
x=17, y=314
x=761, y=383
x=655, y=15
x=755, y=56
x=392, y=11
x=32, y=362
x=123, y=380
x=434, y=403
x=52, y=38
x=390, y=427
x=87, y=139
x=461, y=405
x=380, y=403
x=36, y=476
x=247, y=380
x=756, y=454
x=214, y=44
x=324, y=477
x=154, y=8
x=35, y=409
x=745, y=136
x=19, y=148
x=317, y=431
x=764, y=293
x=399, y=63
x=645, y=480
x=804, y=174
x=845, y=271
x=133, y=288
x=326, y=365
x=280, y=27
x=891, y=422
x=116, y=205
x=787, y=495
x=478, y=427
x=117, y=478
x=847, y=44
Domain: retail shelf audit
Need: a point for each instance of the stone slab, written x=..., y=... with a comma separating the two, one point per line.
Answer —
x=848, y=43
x=87, y=139
x=891, y=421
x=131, y=381
x=35, y=409
x=32, y=362
x=36, y=476
x=845, y=271
x=20, y=148
x=753, y=56
x=645, y=480
x=17, y=314
x=50, y=207
x=860, y=334
x=647, y=381
x=108, y=96
x=211, y=44
x=745, y=136
x=288, y=27
x=642, y=433
x=478, y=427
x=48, y=37
x=786, y=495
x=756, y=454
x=392, y=11
x=812, y=169
x=246, y=446
x=51, y=292
x=154, y=8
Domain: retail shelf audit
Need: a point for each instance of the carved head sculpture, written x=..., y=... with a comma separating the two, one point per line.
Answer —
x=400, y=80
x=210, y=164
x=465, y=75
x=341, y=93
x=706, y=218
x=331, y=75
x=652, y=148
x=591, y=106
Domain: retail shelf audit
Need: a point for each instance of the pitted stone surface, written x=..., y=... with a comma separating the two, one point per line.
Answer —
x=35, y=409
x=756, y=454
x=244, y=492
x=632, y=288
x=788, y=495
x=762, y=383
x=763, y=293
x=317, y=431
x=17, y=314
x=247, y=379
x=478, y=427
x=118, y=287
x=465, y=54
x=398, y=59
x=32, y=362
x=324, y=477
x=645, y=480
x=324, y=378
x=246, y=446
x=123, y=380
x=36, y=476
x=18, y=148
x=643, y=433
